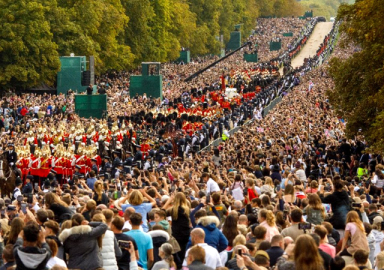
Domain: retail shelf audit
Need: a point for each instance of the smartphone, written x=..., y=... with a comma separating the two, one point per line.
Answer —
x=208, y=199
x=278, y=188
x=24, y=208
x=20, y=198
x=124, y=244
x=305, y=226
x=36, y=187
x=239, y=252
x=30, y=198
x=90, y=194
x=2, y=212
x=356, y=205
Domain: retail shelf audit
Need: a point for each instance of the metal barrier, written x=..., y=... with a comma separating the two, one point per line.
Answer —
x=266, y=110
x=271, y=105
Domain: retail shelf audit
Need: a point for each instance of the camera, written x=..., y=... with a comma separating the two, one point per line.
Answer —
x=305, y=226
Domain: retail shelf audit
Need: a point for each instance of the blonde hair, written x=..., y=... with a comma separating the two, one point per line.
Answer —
x=353, y=217
x=380, y=260
x=66, y=225
x=136, y=198
x=250, y=182
x=99, y=218
x=239, y=240
x=91, y=205
x=98, y=188
x=268, y=216
x=268, y=181
x=179, y=201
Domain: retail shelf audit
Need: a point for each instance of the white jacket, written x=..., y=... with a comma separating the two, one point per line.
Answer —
x=108, y=251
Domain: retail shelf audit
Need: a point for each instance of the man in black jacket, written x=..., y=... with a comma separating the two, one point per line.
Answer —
x=276, y=250
x=11, y=156
x=27, y=253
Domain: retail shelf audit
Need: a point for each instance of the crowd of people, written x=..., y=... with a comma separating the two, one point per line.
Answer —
x=288, y=191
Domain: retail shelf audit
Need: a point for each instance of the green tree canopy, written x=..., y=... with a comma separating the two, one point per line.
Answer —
x=28, y=56
x=359, y=80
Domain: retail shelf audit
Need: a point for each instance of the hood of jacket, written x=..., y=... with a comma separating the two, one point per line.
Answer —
x=164, y=224
x=377, y=235
x=74, y=232
x=159, y=233
x=209, y=222
x=32, y=260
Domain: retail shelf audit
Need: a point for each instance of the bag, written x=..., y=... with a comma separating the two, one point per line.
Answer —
x=174, y=244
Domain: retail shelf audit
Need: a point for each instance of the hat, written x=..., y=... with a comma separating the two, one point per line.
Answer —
x=377, y=219
x=18, y=181
x=120, y=164
x=106, y=157
x=116, y=152
x=81, y=176
x=92, y=159
x=77, y=166
x=30, y=177
x=10, y=144
x=53, y=171
x=47, y=183
x=128, y=152
x=262, y=253
x=357, y=199
x=164, y=198
x=298, y=165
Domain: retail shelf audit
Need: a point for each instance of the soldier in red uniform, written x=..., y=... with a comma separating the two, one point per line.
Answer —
x=45, y=166
x=58, y=164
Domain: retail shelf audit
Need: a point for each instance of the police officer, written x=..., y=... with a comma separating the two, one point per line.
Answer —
x=77, y=171
x=116, y=161
x=27, y=189
x=169, y=147
x=17, y=191
x=11, y=156
x=118, y=170
x=181, y=147
x=138, y=157
x=107, y=165
x=94, y=166
x=160, y=152
x=128, y=162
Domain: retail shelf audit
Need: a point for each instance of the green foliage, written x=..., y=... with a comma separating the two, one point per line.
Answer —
x=359, y=80
x=119, y=33
x=28, y=56
x=324, y=8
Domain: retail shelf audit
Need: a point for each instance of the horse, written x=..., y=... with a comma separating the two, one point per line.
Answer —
x=7, y=178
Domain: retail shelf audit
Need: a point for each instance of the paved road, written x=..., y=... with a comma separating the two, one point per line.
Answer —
x=310, y=48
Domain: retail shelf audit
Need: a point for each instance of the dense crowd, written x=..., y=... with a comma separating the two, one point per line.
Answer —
x=287, y=191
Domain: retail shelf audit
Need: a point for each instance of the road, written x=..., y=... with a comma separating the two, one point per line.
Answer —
x=310, y=48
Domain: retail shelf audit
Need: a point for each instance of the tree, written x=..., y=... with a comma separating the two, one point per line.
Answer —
x=359, y=80
x=138, y=33
x=93, y=27
x=28, y=56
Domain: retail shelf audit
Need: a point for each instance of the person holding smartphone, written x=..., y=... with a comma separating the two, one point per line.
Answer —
x=129, y=250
